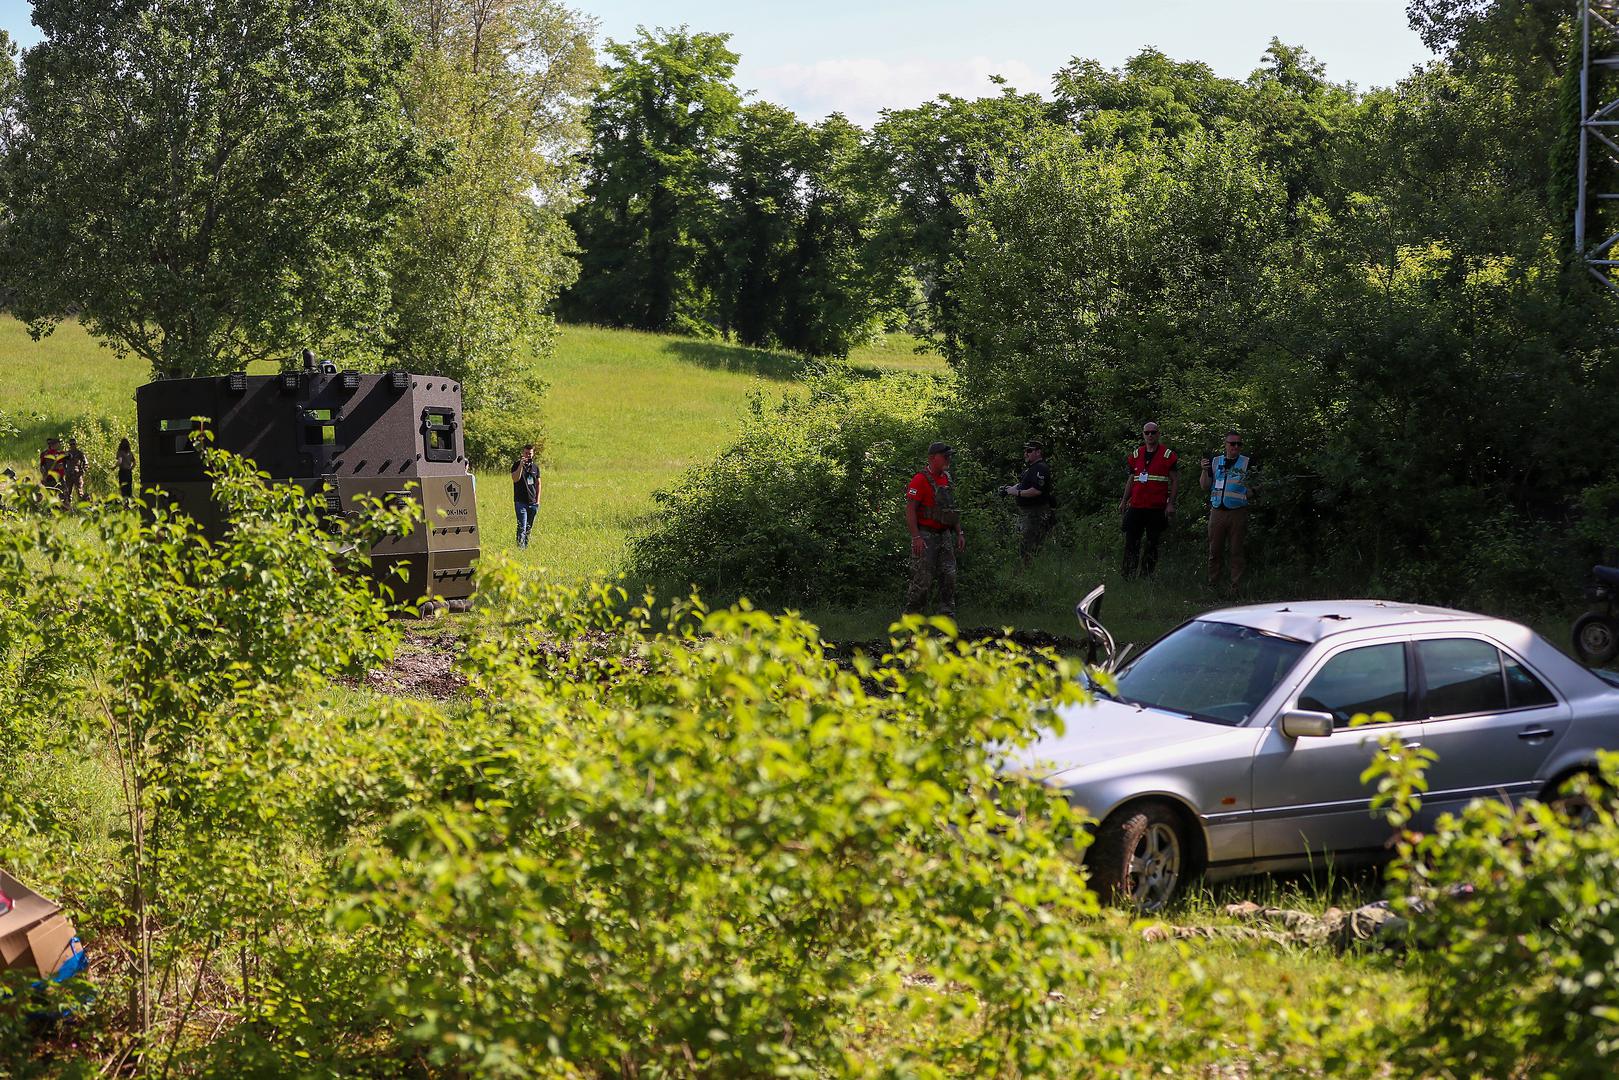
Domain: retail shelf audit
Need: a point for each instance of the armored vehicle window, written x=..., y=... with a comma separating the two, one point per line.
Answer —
x=1461, y=676
x=1369, y=680
x=319, y=428
x=176, y=436
x=438, y=434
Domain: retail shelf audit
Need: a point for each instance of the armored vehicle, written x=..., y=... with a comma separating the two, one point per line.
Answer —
x=390, y=436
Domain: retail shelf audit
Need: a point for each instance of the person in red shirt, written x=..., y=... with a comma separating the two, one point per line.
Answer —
x=934, y=522
x=1150, y=488
x=53, y=465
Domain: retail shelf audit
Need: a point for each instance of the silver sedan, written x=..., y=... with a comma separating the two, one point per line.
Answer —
x=1228, y=747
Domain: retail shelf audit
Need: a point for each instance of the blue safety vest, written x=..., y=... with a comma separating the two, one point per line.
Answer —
x=1230, y=490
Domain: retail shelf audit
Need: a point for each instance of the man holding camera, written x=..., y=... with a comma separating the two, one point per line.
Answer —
x=934, y=522
x=1035, y=505
x=1228, y=481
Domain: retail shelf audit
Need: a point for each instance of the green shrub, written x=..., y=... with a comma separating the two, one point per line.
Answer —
x=710, y=850
x=98, y=437
x=1521, y=931
x=503, y=420
x=179, y=659
x=807, y=503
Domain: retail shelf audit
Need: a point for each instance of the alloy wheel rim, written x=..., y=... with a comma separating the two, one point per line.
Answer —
x=1155, y=866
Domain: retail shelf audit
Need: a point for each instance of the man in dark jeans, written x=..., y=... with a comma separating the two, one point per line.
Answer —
x=1150, y=488
x=526, y=492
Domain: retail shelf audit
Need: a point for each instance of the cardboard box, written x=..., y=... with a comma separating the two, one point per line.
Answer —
x=34, y=934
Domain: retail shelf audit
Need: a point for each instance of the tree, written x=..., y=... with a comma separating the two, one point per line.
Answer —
x=660, y=128
x=763, y=210
x=497, y=88
x=931, y=156
x=845, y=285
x=209, y=182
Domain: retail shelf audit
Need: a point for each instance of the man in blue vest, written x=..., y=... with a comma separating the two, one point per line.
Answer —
x=1229, y=482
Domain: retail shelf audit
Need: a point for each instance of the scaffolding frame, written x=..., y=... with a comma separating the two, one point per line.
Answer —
x=1599, y=135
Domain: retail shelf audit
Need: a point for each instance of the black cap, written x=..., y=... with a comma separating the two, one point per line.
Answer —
x=1035, y=444
x=939, y=448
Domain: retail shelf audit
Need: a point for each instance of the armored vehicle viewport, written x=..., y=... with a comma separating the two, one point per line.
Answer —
x=390, y=436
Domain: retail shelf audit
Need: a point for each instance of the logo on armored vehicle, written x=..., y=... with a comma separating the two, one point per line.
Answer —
x=453, y=490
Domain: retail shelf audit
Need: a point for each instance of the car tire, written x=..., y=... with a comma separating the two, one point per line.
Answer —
x=1140, y=856
x=1578, y=808
x=1596, y=639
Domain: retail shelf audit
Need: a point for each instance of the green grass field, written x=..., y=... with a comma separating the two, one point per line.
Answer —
x=626, y=413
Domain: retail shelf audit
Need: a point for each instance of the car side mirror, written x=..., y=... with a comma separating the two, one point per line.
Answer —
x=1304, y=724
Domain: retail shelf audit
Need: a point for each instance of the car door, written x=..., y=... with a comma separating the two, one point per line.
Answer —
x=1490, y=719
x=1307, y=794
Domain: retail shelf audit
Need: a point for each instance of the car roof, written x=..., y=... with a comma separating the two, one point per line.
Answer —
x=1313, y=620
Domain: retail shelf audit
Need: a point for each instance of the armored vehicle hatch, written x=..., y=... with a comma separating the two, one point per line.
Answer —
x=388, y=436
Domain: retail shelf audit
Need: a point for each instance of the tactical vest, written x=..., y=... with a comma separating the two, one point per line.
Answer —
x=1230, y=489
x=943, y=510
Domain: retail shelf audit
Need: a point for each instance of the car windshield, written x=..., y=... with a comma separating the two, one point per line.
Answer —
x=1212, y=671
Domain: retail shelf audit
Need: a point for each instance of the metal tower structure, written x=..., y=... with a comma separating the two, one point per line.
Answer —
x=1599, y=135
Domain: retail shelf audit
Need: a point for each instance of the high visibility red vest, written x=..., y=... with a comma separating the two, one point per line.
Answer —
x=1149, y=481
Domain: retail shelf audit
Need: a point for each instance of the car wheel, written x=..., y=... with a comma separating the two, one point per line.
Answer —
x=1139, y=856
x=1579, y=807
x=1596, y=639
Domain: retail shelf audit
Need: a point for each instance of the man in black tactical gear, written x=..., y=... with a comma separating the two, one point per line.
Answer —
x=1035, y=503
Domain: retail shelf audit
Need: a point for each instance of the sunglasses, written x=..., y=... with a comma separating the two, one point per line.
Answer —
x=1233, y=442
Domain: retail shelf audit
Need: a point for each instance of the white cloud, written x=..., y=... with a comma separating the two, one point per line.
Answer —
x=860, y=87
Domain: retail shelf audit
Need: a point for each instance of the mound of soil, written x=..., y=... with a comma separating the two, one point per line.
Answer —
x=424, y=667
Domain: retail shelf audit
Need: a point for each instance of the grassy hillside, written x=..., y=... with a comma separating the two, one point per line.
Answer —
x=626, y=413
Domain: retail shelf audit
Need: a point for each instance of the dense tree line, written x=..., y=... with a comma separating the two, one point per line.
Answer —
x=1378, y=286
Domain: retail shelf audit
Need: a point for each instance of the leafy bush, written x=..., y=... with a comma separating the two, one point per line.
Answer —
x=807, y=503
x=1518, y=911
x=502, y=420
x=182, y=658
x=98, y=437
x=709, y=849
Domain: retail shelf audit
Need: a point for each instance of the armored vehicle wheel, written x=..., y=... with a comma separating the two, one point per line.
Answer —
x=433, y=609
x=1596, y=639
x=1139, y=856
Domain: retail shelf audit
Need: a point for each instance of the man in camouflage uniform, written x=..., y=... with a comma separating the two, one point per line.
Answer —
x=934, y=522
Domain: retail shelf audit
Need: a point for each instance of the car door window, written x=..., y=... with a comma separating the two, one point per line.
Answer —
x=1367, y=680
x=1461, y=677
x=1524, y=691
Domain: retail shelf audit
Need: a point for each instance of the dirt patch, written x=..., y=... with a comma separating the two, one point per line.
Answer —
x=424, y=667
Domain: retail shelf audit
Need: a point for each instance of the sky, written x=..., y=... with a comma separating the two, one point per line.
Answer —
x=861, y=56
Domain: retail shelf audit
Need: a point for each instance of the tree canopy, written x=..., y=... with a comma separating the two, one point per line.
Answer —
x=209, y=182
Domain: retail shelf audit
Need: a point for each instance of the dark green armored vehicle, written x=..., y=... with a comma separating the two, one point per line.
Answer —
x=390, y=436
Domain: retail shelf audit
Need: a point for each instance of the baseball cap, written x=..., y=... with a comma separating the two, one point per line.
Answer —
x=939, y=448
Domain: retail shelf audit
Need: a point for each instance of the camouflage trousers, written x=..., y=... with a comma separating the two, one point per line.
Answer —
x=1033, y=523
x=935, y=566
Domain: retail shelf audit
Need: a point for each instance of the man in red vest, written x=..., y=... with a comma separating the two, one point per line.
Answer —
x=1149, y=500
